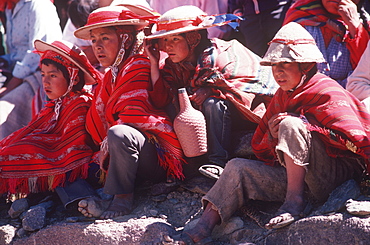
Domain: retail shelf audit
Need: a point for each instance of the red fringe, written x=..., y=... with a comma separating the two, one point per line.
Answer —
x=21, y=185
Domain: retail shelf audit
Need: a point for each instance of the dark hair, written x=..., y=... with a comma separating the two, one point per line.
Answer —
x=79, y=10
x=63, y=69
x=310, y=73
x=203, y=43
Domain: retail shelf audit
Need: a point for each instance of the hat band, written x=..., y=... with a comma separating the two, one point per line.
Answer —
x=111, y=16
x=293, y=42
x=100, y=17
x=173, y=25
x=127, y=15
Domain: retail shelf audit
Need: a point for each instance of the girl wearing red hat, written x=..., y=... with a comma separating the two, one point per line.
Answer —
x=224, y=79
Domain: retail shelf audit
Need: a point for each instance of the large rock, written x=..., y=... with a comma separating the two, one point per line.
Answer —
x=332, y=229
x=119, y=231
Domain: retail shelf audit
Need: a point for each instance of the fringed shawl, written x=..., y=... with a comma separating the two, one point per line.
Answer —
x=37, y=157
x=126, y=102
x=231, y=70
x=340, y=119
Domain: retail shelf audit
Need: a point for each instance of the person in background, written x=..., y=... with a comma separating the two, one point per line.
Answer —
x=137, y=141
x=54, y=148
x=359, y=81
x=26, y=21
x=222, y=78
x=78, y=11
x=261, y=20
x=340, y=29
x=313, y=137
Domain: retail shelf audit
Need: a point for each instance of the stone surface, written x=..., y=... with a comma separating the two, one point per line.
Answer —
x=180, y=210
x=18, y=207
x=7, y=233
x=34, y=219
x=338, y=198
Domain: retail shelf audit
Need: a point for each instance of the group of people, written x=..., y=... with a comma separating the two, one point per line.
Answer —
x=310, y=133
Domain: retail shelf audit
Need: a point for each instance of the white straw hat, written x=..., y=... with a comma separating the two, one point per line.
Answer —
x=187, y=18
x=292, y=43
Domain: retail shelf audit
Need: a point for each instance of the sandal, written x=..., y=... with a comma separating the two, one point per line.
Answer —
x=211, y=170
x=288, y=218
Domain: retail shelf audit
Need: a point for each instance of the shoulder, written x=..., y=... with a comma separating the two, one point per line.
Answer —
x=138, y=60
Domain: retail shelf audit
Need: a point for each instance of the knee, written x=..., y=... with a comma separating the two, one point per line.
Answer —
x=119, y=134
x=291, y=123
x=234, y=166
x=213, y=106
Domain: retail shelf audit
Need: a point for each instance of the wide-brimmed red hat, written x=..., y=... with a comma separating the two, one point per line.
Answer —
x=116, y=15
x=72, y=53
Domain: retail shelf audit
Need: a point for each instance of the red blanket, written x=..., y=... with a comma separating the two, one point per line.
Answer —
x=38, y=156
x=341, y=119
x=126, y=102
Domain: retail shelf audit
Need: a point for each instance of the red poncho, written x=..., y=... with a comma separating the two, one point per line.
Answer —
x=37, y=157
x=341, y=120
x=126, y=102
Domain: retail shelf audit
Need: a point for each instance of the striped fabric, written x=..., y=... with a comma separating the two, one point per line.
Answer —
x=126, y=102
x=37, y=157
x=341, y=120
x=312, y=13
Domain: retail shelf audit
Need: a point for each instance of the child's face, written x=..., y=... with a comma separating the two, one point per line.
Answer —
x=105, y=45
x=287, y=74
x=176, y=47
x=53, y=81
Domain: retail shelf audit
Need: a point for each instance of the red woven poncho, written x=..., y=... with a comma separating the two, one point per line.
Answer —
x=38, y=156
x=340, y=118
x=126, y=102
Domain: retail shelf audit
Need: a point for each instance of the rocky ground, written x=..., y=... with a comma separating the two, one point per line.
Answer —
x=157, y=216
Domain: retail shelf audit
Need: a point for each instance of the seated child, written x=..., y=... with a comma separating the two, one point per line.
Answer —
x=54, y=147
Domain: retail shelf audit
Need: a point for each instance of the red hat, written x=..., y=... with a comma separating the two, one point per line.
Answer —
x=73, y=54
x=115, y=15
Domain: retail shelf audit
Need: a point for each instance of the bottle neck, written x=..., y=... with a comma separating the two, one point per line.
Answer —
x=183, y=99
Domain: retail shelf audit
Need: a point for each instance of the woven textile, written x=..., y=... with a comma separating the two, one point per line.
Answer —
x=126, y=102
x=229, y=69
x=312, y=13
x=341, y=120
x=38, y=156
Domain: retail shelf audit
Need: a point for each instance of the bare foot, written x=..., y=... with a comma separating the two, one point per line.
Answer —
x=121, y=205
x=93, y=206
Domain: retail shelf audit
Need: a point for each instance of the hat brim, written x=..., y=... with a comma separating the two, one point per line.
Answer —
x=84, y=32
x=43, y=46
x=137, y=9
